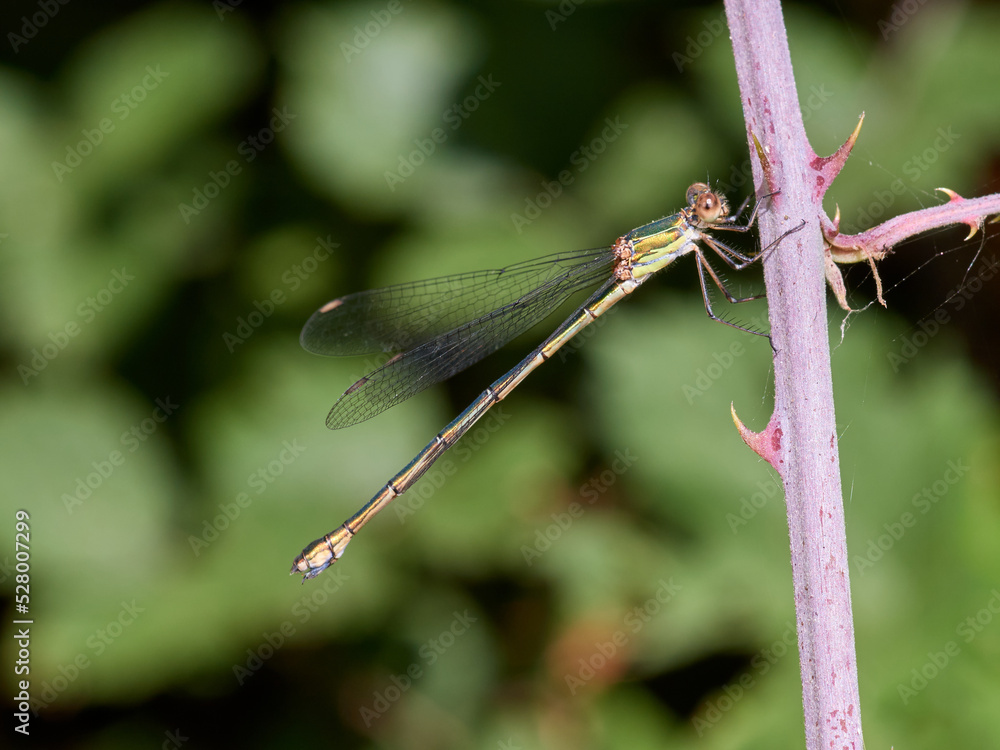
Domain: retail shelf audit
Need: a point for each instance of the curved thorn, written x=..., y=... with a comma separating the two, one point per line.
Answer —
x=953, y=197
x=766, y=444
x=857, y=130
x=765, y=163
x=830, y=227
x=829, y=166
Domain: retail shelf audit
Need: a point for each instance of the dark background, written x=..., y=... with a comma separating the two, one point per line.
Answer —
x=163, y=614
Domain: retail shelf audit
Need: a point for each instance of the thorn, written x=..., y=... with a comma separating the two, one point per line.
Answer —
x=766, y=444
x=829, y=167
x=973, y=224
x=857, y=131
x=830, y=227
x=765, y=163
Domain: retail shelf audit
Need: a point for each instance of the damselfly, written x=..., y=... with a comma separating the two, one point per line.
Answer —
x=439, y=327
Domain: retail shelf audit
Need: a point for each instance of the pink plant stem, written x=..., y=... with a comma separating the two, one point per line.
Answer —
x=801, y=439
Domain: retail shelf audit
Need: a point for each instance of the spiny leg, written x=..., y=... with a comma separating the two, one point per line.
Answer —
x=729, y=223
x=704, y=266
x=739, y=212
x=730, y=256
x=737, y=260
x=733, y=258
x=731, y=220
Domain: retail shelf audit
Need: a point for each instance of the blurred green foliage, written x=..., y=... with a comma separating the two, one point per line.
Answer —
x=174, y=181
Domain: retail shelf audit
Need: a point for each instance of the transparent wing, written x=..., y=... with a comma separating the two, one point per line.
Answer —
x=443, y=331
x=404, y=316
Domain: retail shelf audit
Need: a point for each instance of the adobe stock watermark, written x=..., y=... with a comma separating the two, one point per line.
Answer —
x=591, y=491
x=121, y=106
x=308, y=604
x=224, y=7
x=706, y=377
x=901, y=13
x=30, y=26
x=576, y=343
x=914, y=168
x=581, y=159
x=967, y=630
x=563, y=11
x=248, y=149
x=258, y=481
x=446, y=289
x=97, y=644
x=363, y=35
x=429, y=652
x=634, y=621
x=173, y=739
x=696, y=45
x=443, y=469
x=132, y=439
x=735, y=690
x=454, y=117
x=86, y=312
x=923, y=502
x=292, y=279
x=750, y=506
x=931, y=326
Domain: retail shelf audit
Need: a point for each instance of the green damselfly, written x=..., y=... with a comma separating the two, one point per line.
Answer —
x=439, y=327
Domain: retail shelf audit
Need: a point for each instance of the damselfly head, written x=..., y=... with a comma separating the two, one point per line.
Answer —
x=708, y=206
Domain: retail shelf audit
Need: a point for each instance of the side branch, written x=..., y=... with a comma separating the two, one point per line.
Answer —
x=875, y=243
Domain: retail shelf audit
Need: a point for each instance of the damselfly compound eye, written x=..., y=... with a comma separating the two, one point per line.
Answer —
x=696, y=190
x=709, y=207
